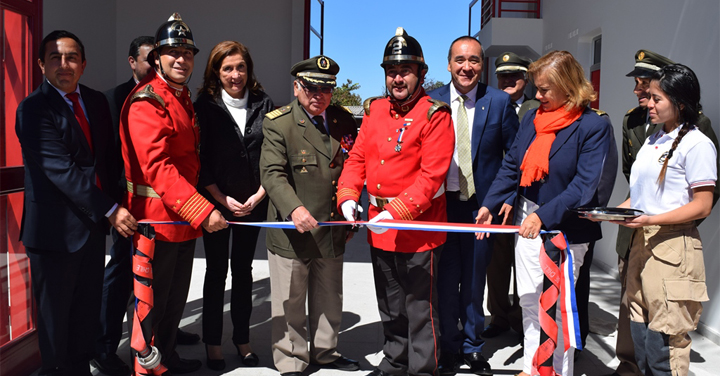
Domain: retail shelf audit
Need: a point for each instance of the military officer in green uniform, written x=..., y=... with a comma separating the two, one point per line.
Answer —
x=511, y=72
x=305, y=146
x=636, y=128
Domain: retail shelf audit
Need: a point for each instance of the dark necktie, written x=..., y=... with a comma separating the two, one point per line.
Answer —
x=80, y=117
x=320, y=125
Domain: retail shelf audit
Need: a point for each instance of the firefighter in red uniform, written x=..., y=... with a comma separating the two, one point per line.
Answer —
x=160, y=149
x=403, y=150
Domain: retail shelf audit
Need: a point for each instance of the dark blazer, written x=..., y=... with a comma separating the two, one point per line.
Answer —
x=577, y=165
x=297, y=169
x=227, y=158
x=116, y=98
x=493, y=132
x=62, y=202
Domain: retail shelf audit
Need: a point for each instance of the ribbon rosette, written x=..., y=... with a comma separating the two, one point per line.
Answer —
x=347, y=143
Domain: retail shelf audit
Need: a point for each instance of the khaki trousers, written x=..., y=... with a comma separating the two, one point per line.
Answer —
x=624, y=348
x=665, y=288
x=293, y=282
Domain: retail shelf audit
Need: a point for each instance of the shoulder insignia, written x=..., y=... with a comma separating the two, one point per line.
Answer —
x=148, y=93
x=630, y=111
x=366, y=104
x=601, y=113
x=436, y=105
x=344, y=108
x=278, y=112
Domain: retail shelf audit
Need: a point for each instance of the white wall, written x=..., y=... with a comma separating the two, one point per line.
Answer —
x=271, y=29
x=687, y=32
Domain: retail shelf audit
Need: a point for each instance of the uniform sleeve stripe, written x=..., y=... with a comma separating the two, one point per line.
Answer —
x=703, y=183
x=193, y=207
x=348, y=193
x=400, y=207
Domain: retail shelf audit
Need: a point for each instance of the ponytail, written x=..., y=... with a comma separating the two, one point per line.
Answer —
x=684, y=129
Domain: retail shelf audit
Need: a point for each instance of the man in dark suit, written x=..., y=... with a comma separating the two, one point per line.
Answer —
x=70, y=195
x=117, y=284
x=303, y=152
x=461, y=275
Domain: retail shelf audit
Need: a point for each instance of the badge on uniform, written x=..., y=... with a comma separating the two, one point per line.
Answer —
x=303, y=170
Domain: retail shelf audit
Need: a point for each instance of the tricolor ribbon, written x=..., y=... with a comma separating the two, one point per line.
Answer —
x=556, y=261
x=555, y=258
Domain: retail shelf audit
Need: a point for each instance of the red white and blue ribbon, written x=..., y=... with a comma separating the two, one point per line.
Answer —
x=562, y=278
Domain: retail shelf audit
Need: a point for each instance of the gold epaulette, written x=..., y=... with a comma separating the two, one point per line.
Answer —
x=631, y=110
x=366, y=104
x=436, y=105
x=601, y=113
x=345, y=108
x=278, y=112
x=148, y=93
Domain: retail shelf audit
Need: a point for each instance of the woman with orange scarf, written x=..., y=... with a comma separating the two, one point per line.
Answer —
x=555, y=165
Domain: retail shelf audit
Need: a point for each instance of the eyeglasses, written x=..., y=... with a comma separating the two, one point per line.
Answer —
x=315, y=89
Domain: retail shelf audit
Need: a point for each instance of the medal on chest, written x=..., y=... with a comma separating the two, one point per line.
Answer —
x=401, y=131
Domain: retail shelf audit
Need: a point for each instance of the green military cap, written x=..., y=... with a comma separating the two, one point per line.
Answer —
x=509, y=62
x=319, y=71
x=647, y=63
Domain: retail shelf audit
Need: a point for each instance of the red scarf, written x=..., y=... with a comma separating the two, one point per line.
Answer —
x=537, y=158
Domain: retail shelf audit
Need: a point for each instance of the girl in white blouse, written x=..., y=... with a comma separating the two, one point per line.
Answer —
x=672, y=182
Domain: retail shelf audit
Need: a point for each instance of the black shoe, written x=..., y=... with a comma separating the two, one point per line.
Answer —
x=110, y=364
x=449, y=363
x=177, y=365
x=342, y=363
x=478, y=364
x=185, y=338
x=378, y=372
x=250, y=359
x=213, y=364
x=492, y=331
x=291, y=374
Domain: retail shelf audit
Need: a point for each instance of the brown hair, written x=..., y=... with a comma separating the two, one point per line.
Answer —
x=562, y=70
x=211, y=79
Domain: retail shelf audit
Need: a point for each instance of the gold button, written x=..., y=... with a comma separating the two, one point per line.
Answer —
x=342, y=183
x=389, y=139
x=304, y=160
x=378, y=186
x=333, y=182
x=333, y=198
x=405, y=193
x=397, y=116
x=411, y=199
x=382, y=161
x=332, y=215
x=174, y=207
x=420, y=211
x=418, y=206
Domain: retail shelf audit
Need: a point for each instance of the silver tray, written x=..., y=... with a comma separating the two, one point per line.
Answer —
x=608, y=214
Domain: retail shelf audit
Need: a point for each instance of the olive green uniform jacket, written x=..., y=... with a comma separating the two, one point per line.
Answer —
x=300, y=166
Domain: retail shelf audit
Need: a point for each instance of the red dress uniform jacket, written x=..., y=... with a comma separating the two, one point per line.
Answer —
x=160, y=149
x=412, y=176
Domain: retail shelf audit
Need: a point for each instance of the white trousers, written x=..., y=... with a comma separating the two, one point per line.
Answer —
x=530, y=281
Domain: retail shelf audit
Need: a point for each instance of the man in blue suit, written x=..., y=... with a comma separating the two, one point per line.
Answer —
x=479, y=149
x=71, y=194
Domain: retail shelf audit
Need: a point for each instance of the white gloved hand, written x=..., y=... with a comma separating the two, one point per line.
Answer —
x=383, y=215
x=348, y=210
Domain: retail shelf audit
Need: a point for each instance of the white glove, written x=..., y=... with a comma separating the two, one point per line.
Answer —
x=348, y=210
x=383, y=215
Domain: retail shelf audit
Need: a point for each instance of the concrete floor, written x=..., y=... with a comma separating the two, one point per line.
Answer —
x=361, y=333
